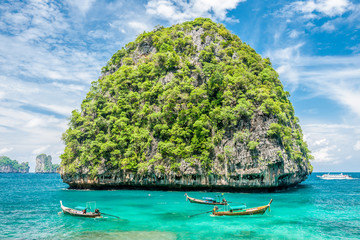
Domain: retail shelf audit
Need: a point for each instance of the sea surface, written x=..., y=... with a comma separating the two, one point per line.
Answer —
x=315, y=209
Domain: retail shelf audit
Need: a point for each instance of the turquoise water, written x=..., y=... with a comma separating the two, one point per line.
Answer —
x=316, y=209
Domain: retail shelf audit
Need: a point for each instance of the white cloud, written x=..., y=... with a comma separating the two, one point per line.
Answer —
x=294, y=33
x=182, y=10
x=309, y=25
x=32, y=65
x=334, y=14
x=357, y=146
x=35, y=122
x=41, y=149
x=346, y=93
x=319, y=8
x=44, y=56
x=69, y=87
x=287, y=59
x=60, y=109
x=16, y=87
x=356, y=48
x=332, y=144
x=33, y=20
x=139, y=27
x=321, y=142
x=328, y=26
x=100, y=34
x=324, y=155
x=28, y=123
x=50, y=52
x=333, y=77
x=5, y=150
x=82, y=5
x=28, y=131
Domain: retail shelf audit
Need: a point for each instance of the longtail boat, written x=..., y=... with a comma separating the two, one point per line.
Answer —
x=206, y=200
x=80, y=213
x=237, y=211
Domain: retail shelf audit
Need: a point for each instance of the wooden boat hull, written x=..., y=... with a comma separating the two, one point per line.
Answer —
x=250, y=211
x=199, y=201
x=74, y=212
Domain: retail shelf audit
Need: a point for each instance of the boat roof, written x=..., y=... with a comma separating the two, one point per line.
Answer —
x=238, y=207
x=208, y=198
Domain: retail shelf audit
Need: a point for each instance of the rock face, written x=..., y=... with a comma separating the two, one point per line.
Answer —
x=44, y=164
x=12, y=166
x=186, y=107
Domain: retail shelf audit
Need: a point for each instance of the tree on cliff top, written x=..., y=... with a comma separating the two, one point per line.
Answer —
x=44, y=164
x=6, y=161
x=174, y=96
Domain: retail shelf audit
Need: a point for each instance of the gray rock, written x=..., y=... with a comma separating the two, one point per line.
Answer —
x=44, y=164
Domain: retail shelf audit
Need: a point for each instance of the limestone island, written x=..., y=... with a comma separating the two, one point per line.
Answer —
x=188, y=107
x=12, y=166
x=44, y=164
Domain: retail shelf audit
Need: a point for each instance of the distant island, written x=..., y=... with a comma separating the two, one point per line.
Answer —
x=44, y=164
x=12, y=166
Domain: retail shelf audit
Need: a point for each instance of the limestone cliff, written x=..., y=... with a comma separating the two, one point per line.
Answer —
x=12, y=166
x=186, y=107
x=44, y=164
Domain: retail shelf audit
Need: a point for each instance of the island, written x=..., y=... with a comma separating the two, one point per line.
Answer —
x=44, y=164
x=188, y=107
x=12, y=166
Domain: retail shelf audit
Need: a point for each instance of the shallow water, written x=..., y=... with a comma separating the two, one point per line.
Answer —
x=316, y=209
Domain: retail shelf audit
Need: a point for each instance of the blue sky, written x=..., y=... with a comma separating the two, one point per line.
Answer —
x=51, y=51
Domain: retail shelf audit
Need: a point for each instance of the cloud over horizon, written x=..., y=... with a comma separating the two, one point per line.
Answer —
x=182, y=10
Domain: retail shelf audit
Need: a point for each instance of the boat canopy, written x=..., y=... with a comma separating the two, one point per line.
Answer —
x=238, y=207
x=209, y=198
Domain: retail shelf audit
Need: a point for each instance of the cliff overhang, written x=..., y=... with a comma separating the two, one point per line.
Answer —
x=210, y=183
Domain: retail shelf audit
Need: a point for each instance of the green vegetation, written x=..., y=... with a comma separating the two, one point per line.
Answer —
x=162, y=99
x=291, y=140
x=13, y=164
x=46, y=164
x=252, y=145
x=54, y=167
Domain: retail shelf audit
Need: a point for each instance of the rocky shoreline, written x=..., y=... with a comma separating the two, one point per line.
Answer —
x=255, y=182
x=9, y=169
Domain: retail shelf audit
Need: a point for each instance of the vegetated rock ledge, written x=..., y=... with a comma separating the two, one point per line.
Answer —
x=190, y=107
x=12, y=166
x=44, y=164
x=10, y=169
x=265, y=168
x=260, y=170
